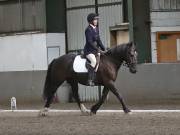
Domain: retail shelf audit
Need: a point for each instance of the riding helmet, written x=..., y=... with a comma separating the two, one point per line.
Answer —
x=91, y=17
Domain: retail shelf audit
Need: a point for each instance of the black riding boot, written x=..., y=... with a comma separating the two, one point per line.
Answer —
x=91, y=76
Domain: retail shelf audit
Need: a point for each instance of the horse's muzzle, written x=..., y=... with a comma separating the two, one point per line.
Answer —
x=133, y=70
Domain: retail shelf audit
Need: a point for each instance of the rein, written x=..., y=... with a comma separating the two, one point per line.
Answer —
x=123, y=63
x=126, y=64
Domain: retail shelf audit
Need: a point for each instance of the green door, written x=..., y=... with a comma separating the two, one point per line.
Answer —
x=139, y=18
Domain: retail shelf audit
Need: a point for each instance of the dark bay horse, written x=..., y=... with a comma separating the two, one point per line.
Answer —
x=61, y=69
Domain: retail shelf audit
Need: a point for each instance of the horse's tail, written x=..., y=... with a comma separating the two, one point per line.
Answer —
x=48, y=81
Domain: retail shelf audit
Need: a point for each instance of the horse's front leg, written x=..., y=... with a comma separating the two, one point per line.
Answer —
x=95, y=107
x=74, y=86
x=114, y=90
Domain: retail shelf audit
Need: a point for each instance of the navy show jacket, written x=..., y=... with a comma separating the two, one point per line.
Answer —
x=93, y=41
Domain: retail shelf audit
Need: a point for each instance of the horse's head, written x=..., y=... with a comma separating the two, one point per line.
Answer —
x=131, y=57
x=124, y=53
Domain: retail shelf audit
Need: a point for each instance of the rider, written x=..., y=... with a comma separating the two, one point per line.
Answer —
x=93, y=46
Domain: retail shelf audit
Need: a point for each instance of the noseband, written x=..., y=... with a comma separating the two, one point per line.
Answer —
x=126, y=64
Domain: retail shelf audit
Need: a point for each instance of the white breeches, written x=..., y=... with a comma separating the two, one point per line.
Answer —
x=92, y=59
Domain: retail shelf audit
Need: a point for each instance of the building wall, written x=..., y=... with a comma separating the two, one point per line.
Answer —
x=165, y=17
x=24, y=64
x=24, y=46
x=76, y=24
x=139, y=28
x=56, y=40
x=28, y=52
x=77, y=3
x=153, y=83
x=23, y=52
x=20, y=16
x=122, y=37
x=110, y=15
x=55, y=16
x=178, y=50
x=27, y=87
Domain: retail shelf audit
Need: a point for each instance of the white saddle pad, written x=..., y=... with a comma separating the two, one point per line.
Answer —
x=79, y=65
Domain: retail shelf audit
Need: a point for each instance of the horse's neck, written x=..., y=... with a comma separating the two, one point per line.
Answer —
x=108, y=59
x=116, y=54
x=116, y=62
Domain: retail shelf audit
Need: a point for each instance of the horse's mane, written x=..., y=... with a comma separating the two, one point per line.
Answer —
x=116, y=49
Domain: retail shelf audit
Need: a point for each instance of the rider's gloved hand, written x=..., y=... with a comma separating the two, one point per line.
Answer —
x=102, y=52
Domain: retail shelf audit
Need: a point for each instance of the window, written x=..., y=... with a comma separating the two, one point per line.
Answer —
x=52, y=53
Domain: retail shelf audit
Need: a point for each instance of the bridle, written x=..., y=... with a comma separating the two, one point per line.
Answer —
x=126, y=64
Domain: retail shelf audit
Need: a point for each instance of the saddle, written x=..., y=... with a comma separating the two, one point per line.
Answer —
x=83, y=56
x=81, y=64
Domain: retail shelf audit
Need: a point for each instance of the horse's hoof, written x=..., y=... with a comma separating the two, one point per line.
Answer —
x=85, y=113
x=84, y=110
x=92, y=113
x=127, y=111
x=44, y=112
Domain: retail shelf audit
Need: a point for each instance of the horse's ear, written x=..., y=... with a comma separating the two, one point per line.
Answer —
x=130, y=44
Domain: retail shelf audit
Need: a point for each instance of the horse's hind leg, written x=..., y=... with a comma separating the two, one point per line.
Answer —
x=101, y=101
x=52, y=90
x=50, y=97
x=74, y=86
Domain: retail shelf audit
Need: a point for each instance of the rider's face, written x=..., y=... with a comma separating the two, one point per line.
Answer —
x=95, y=22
